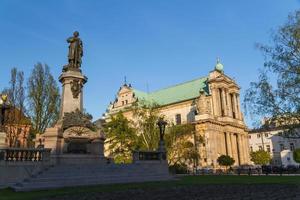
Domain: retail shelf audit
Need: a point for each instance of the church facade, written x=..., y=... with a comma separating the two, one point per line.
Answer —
x=211, y=103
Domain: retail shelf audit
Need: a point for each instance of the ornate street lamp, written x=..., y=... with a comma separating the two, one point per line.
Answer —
x=162, y=127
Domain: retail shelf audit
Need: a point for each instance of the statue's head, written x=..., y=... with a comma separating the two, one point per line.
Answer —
x=76, y=34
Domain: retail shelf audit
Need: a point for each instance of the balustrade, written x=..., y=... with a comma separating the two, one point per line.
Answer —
x=22, y=154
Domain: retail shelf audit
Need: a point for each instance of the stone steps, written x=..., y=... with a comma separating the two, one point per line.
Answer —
x=81, y=175
x=86, y=182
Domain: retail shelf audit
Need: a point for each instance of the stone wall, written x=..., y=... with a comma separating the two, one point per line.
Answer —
x=14, y=172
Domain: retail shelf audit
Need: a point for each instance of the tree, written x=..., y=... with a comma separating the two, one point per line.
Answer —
x=181, y=144
x=17, y=124
x=180, y=140
x=280, y=99
x=121, y=138
x=296, y=155
x=146, y=116
x=260, y=157
x=225, y=160
x=43, y=98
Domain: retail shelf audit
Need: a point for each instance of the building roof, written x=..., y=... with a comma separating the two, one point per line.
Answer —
x=177, y=93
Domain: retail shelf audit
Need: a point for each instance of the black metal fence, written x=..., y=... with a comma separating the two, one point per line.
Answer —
x=24, y=154
x=149, y=155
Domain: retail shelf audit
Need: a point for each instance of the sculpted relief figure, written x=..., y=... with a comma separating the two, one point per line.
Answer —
x=75, y=52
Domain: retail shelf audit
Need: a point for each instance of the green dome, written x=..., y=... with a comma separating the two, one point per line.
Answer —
x=219, y=67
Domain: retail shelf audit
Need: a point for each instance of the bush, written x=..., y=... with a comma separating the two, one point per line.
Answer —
x=178, y=169
x=296, y=155
x=225, y=160
x=260, y=157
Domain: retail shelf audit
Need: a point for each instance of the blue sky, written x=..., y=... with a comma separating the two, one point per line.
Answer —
x=152, y=42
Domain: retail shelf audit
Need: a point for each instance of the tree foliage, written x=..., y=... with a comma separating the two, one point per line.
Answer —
x=260, y=157
x=43, y=98
x=181, y=144
x=121, y=138
x=145, y=119
x=225, y=160
x=276, y=94
x=142, y=133
x=296, y=155
x=17, y=123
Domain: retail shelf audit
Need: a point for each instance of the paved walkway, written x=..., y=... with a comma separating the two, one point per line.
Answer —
x=205, y=192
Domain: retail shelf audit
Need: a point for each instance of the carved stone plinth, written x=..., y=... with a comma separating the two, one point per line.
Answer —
x=72, y=92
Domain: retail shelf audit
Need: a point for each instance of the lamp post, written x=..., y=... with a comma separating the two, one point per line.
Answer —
x=162, y=127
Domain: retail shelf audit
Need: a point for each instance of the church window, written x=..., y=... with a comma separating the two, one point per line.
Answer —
x=178, y=119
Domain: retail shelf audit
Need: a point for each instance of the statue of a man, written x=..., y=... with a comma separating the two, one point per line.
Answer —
x=75, y=51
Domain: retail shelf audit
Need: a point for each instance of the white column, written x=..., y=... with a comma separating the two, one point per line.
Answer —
x=228, y=144
x=238, y=106
x=216, y=102
x=247, y=148
x=241, y=149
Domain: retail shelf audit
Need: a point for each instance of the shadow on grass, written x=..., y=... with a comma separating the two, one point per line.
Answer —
x=9, y=194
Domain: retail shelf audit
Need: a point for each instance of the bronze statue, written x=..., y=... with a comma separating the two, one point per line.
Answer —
x=75, y=52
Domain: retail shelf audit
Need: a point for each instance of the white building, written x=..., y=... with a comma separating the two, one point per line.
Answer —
x=271, y=140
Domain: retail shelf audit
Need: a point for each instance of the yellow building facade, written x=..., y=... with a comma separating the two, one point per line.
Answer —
x=211, y=103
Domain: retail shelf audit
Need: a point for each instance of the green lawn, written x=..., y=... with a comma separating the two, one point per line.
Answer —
x=8, y=194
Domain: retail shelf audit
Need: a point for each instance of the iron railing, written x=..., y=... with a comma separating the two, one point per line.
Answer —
x=149, y=155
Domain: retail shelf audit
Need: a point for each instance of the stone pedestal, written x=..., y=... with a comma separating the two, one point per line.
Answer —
x=72, y=92
x=3, y=140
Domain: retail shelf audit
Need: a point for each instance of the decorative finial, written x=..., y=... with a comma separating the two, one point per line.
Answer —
x=219, y=67
x=125, y=81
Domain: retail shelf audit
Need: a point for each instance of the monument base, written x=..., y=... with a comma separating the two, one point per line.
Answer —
x=71, y=143
x=76, y=159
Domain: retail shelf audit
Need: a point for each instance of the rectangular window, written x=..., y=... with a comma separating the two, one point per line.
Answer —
x=292, y=147
x=258, y=135
x=260, y=148
x=266, y=135
x=251, y=149
x=249, y=136
x=122, y=103
x=178, y=119
x=126, y=101
x=268, y=148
